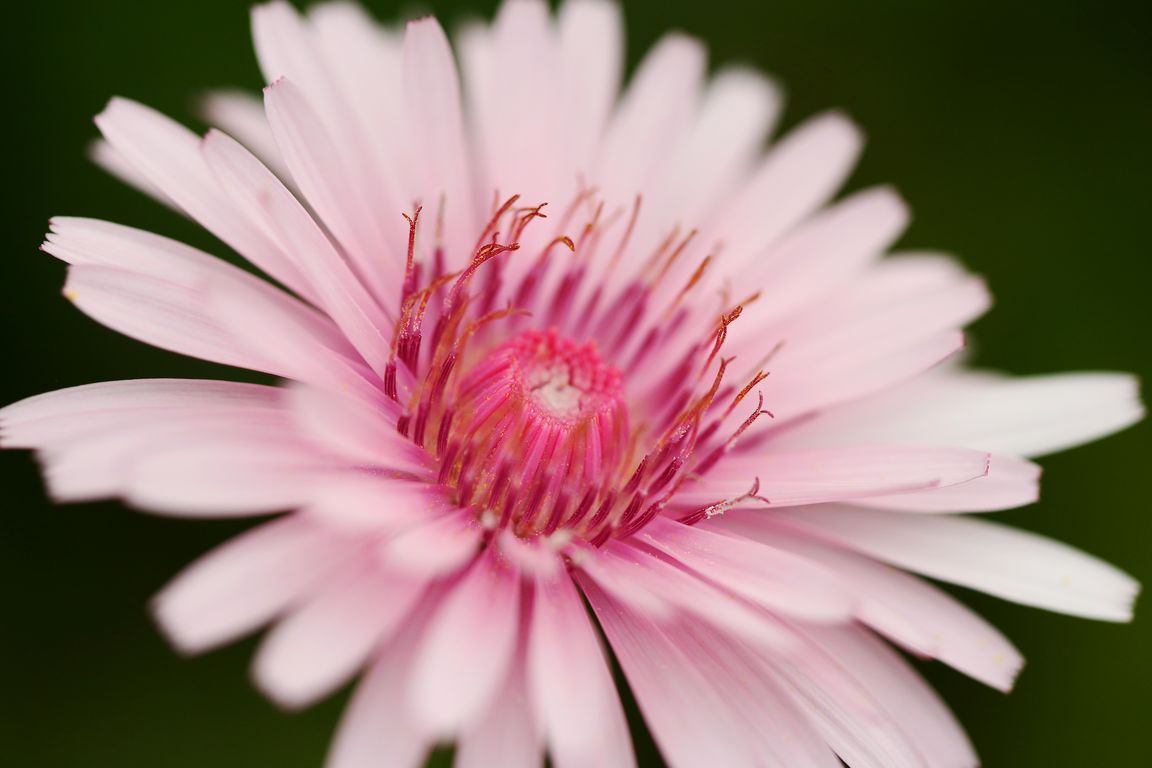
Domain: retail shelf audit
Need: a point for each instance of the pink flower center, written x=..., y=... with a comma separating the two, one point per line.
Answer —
x=513, y=394
x=539, y=421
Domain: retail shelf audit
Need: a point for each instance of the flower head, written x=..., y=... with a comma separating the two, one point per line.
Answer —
x=543, y=344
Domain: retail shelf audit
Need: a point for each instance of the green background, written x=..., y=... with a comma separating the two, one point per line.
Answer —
x=1018, y=132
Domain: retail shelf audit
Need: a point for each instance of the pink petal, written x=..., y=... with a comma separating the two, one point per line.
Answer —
x=157, y=312
x=363, y=432
x=705, y=706
x=1028, y=416
x=902, y=607
x=505, y=735
x=569, y=683
x=241, y=115
x=438, y=547
x=521, y=153
x=737, y=111
x=467, y=651
x=775, y=579
x=104, y=155
x=798, y=175
x=662, y=590
x=652, y=114
x=330, y=185
x=225, y=470
x=1010, y=483
x=432, y=99
x=261, y=195
x=823, y=253
x=847, y=715
x=178, y=270
x=813, y=477
x=377, y=728
x=903, y=694
x=167, y=154
x=60, y=417
x=827, y=354
x=374, y=504
x=323, y=643
x=244, y=584
x=591, y=83
x=364, y=60
x=1003, y=561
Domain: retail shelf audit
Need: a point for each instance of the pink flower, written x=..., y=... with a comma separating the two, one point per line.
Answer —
x=616, y=354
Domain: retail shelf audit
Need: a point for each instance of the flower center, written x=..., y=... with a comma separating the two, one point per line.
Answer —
x=529, y=427
x=538, y=423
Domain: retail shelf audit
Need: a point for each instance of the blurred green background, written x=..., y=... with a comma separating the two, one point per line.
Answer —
x=1019, y=132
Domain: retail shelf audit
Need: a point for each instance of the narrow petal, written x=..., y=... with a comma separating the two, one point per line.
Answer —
x=1010, y=483
x=824, y=252
x=505, y=735
x=901, y=693
x=1003, y=561
x=323, y=643
x=432, y=96
x=767, y=576
x=906, y=609
x=813, y=477
x=571, y=688
x=591, y=83
x=662, y=589
x=736, y=113
x=363, y=432
x=57, y=418
x=654, y=111
x=827, y=354
x=225, y=470
x=257, y=191
x=313, y=158
x=378, y=728
x=714, y=709
x=157, y=312
x=374, y=503
x=104, y=155
x=436, y=547
x=467, y=651
x=1027, y=416
x=798, y=175
x=244, y=584
x=167, y=154
x=93, y=243
x=241, y=115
